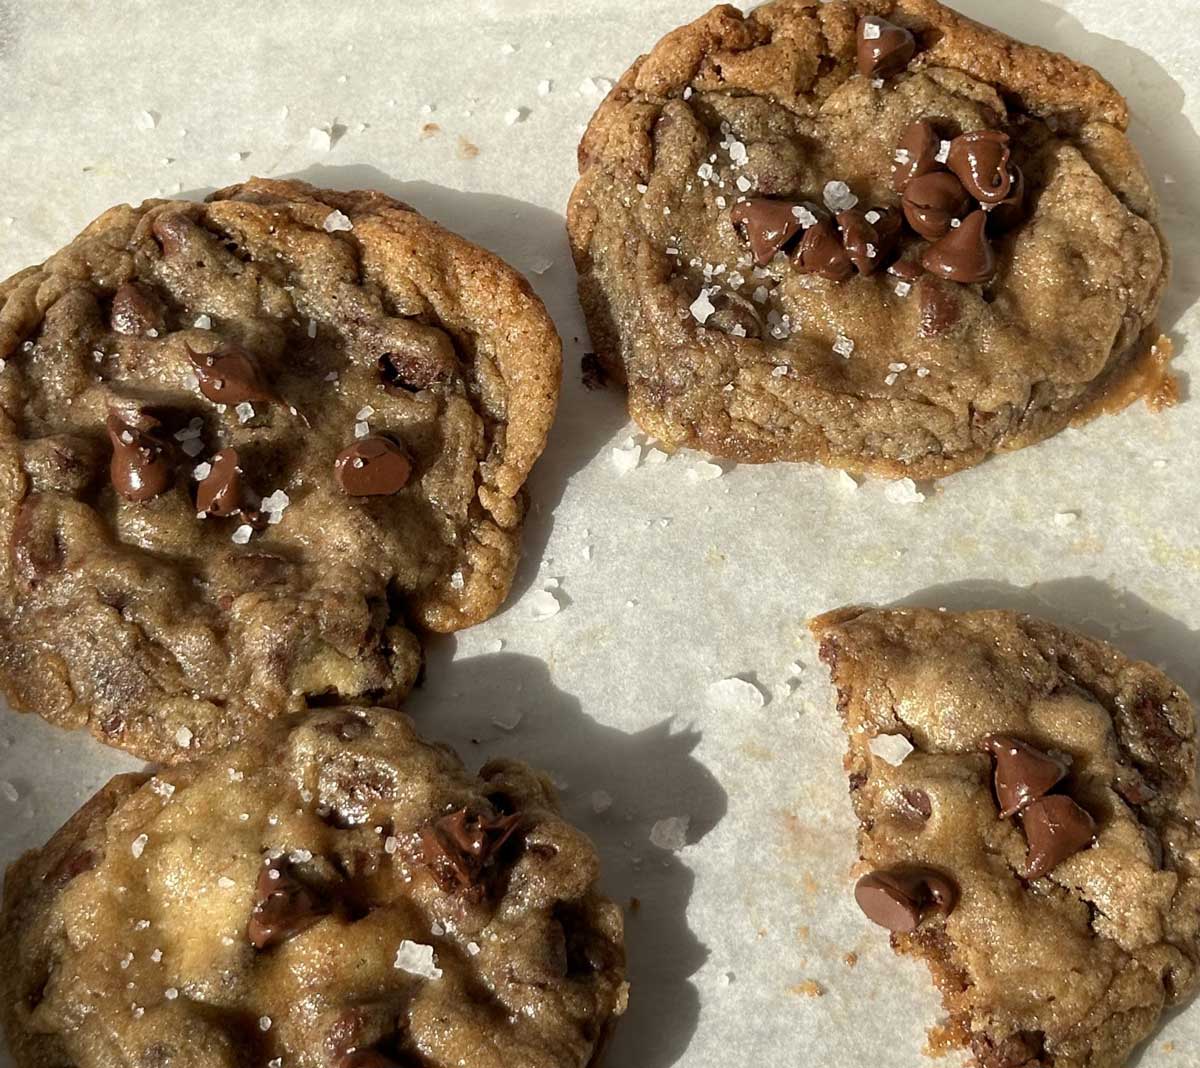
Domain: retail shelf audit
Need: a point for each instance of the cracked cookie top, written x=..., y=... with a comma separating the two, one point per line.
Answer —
x=1030, y=825
x=247, y=448
x=873, y=234
x=341, y=893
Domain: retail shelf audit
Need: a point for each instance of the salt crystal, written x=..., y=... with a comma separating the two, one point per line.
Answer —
x=687, y=93
x=472, y=949
x=514, y=115
x=601, y=801
x=9, y=791
x=201, y=471
x=241, y=536
x=319, y=139
x=922, y=372
x=361, y=429
x=891, y=748
x=779, y=372
x=203, y=322
x=544, y=86
x=843, y=346
x=846, y=481
x=871, y=30
x=226, y=883
x=264, y=1023
x=507, y=49
x=494, y=646
x=417, y=959
x=457, y=582
x=245, y=412
x=903, y=289
x=183, y=737
x=543, y=604
x=655, y=456
x=670, y=833
x=626, y=458
x=743, y=183
x=156, y=956
x=193, y=447
x=943, y=152
x=897, y=367
x=735, y=695
x=390, y=844
x=903, y=491
x=702, y=307
x=705, y=471
x=274, y=505
x=336, y=220
x=508, y=721
x=147, y=120
x=1065, y=519
x=138, y=845
x=838, y=197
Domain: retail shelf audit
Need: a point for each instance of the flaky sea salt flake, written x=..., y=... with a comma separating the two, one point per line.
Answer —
x=543, y=604
x=138, y=845
x=702, y=308
x=891, y=748
x=837, y=196
x=735, y=695
x=903, y=491
x=336, y=220
x=183, y=737
x=417, y=959
x=670, y=833
x=843, y=346
x=241, y=536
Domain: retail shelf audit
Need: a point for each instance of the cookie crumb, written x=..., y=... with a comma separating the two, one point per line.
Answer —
x=809, y=988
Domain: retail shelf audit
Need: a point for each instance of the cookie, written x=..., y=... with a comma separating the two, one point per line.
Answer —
x=1030, y=826
x=876, y=235
x=340, y=893
x=249, y=449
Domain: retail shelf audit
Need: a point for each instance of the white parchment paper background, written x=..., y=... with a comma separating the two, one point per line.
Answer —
x=667, y=581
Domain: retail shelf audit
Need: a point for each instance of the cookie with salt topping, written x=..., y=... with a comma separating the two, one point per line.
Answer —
x=249, y=450
x=1029, y=826
x=339, y=893
x=878, y=235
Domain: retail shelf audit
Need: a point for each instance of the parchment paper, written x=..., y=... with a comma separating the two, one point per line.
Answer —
x=666, y=580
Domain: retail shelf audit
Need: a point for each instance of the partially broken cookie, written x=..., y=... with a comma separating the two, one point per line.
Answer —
x=340, y=893
x=248, y=450
x=1030, y=825
x=875, y=235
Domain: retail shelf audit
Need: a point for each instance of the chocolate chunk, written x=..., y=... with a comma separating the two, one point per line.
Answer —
x=284, y=907
x=230, y=375
x=821, y=252
x=375, y=466
x=869, y=244
x=221, y=491
x=964, y=255
x=1011, y=210
x=168, y=231
x=769, y=225
x=408, y=373
x=900, y=898
x=459, y=846
x=139, y=468
x=916, y=154
x=981, y=161
x=932, y=201
x=1023, y=773
x=1056, y=828
x=884, y=49
x=940, y=309
x=134, y=312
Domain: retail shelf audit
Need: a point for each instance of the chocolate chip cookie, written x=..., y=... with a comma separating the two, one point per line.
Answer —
x=248, y=449
x=1030, y=825
x=873, y=234
x=341, y=893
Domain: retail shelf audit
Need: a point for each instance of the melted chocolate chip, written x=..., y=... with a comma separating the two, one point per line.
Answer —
x=134, y=312
x=229, y=375
x=821, y=252
x=884, y=49
x=964, y=255
x=1011, y=210
x=139, y=468
x=284, y=907
x=918, y=801
x=940, y=307
x=900, y=898
x=932, y=201
x=981, y=161
x=916, y=154
x=459, y=846
x=374, y=466
x=907, y=270
x=221, y=491
x=869, y=245
x=1057, y=828
x=410, y=374
x=1023, y=773
x=769, y=225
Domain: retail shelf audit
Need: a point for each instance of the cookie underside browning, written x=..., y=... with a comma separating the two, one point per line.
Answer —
x=863, y=374
x=286, y=323
x=1073, y=969
x=417, y=915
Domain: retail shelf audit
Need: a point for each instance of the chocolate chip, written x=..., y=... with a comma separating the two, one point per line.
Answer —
x=1011, y=210
x=1057, y=828
x=229, y=375
x=869, y=245
x=221, y=491
x=139, y=468
x=769, y=225
x=907, y=270
x=900, y=898
x=409, y=373
x=940, y=307
x=821, y=252
x=931, y=201
x=284, y=907
x=980, y=158
x=884, y=48
x=459, y=846
x=964, y=255
x=1023, y=773
x=375, y=466
x=134, y=312
x=916, y=154
x=918, y=801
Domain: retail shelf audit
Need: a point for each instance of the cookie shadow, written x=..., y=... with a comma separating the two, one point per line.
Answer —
x=644, y=777
x=534, y=241
x=1118, y=616
x=1162, y=133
